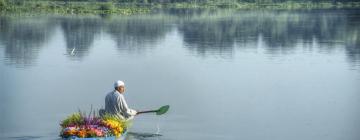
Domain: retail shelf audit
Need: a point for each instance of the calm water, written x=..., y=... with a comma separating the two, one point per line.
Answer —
x=253, y=75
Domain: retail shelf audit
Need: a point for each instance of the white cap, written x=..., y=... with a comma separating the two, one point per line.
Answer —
x=119, y=83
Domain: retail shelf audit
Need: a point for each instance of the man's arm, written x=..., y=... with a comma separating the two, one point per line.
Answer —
x=124, y=107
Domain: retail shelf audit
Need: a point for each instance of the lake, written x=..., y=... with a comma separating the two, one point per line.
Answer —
x=227, y=74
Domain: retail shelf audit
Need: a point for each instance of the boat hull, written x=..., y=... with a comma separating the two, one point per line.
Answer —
x=122, y=137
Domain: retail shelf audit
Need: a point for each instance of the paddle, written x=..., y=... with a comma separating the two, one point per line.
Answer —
x=160, y=111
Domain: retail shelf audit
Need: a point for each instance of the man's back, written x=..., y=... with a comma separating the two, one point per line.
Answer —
x=112, y=103
x=115, y=104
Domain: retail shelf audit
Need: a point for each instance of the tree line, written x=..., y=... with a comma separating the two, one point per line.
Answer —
x=199, y=1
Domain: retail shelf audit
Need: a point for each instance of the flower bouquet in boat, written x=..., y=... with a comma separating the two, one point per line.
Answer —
x=79, y=126
x=83, y=127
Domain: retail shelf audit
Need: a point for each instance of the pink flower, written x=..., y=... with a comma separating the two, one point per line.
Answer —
x=99, y=133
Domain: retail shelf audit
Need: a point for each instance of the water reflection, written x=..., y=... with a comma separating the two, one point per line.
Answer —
x=204, y=32
x=353, y=53
x=79, y=34
x=23, y=38
x=141, y=136
x=214, y=36
x=353, y=37
x=136, y=34
x=25, y=138
x=280, y=30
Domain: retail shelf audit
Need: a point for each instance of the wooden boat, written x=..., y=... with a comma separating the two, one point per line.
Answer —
x=122, y=137
x=160, y=111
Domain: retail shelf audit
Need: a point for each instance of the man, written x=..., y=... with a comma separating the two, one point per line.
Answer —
x=115, y=103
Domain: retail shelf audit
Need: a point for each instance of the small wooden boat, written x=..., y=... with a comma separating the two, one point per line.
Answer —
x=160, y=111
x=122, y=137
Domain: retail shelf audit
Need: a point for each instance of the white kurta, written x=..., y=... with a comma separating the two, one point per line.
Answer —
x=115, y=104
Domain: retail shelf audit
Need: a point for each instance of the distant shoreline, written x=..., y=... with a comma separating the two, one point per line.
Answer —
x=57, y=7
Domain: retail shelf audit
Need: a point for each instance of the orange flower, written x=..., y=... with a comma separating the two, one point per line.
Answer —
x=82, y=133
x=70, y=132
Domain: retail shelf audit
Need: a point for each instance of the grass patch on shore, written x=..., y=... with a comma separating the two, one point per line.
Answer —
x=58, y=7
x=247, y=5
x=69, y=7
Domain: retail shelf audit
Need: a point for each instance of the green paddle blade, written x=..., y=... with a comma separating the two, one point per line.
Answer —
x=162, y=110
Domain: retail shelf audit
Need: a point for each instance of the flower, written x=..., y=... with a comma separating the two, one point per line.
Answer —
x=82, y=133
x=115, y=126
x=78, y=125
x=69, y=131
x=99, y=133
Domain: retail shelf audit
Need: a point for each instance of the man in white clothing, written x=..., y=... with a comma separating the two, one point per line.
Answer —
x=115, y=103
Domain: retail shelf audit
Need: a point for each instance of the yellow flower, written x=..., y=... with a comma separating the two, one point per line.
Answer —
x=117, y=127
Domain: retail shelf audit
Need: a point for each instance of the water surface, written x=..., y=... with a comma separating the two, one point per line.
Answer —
x=227, y=74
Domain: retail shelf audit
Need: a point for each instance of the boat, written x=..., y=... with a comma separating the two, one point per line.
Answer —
x=81, y=127
x=122, y=137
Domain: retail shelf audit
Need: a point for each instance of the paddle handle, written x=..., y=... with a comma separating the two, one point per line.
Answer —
x=149, y=111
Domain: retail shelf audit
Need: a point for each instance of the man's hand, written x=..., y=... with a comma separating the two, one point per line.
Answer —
x=132, y=112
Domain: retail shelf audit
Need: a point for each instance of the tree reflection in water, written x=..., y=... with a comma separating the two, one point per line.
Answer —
x=205, y=33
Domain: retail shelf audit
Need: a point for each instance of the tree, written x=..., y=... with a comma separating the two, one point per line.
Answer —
x=2, y=4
